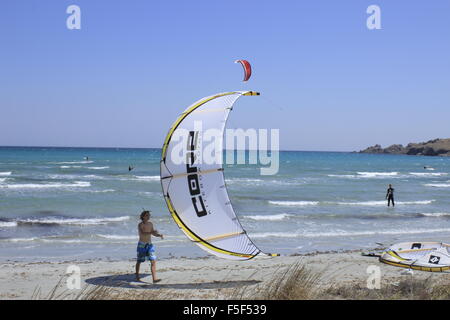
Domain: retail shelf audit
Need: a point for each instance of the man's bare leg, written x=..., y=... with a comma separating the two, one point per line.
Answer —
x=138, y=264
x=155, y=280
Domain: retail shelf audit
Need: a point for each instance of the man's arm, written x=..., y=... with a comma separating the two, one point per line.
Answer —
x=157, y=234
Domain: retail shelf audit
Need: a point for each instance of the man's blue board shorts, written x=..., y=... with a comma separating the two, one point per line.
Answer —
x=145, y=251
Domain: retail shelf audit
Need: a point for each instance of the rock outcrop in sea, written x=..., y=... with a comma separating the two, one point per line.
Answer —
x=436, y=147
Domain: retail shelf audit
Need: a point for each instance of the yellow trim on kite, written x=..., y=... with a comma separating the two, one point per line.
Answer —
x=429, y=269
x=199, y=240
x=251, y=93
x=417, y=250
x=395, y=255
x=185, y=114
x=223, y=236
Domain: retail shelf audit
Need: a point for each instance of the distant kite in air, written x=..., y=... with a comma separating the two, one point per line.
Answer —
x=247, y=68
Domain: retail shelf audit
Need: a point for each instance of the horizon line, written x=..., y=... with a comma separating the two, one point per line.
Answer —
x=79, y=147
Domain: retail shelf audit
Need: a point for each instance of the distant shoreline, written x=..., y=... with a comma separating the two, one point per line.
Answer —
x=436, y=147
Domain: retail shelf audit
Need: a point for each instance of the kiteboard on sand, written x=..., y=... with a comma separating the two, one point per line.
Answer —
x=424, y=256
x=195, y=190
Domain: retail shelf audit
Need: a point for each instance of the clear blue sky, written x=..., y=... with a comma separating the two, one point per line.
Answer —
x=327, y=82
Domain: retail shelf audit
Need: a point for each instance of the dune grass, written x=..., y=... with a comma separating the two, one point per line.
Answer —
x=406, y=289
x=296, y=282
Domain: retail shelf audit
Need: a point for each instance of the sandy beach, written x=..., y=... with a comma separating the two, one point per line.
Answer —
x=183, y=278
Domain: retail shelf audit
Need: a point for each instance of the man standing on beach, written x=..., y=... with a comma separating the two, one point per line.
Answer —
x=390, y=195
x=145, y=248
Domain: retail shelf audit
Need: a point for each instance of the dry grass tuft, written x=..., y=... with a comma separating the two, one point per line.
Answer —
x=406, y=289
x=110, y=293
x=294, y=283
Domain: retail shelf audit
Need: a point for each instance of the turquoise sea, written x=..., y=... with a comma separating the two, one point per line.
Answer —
x=57, y=205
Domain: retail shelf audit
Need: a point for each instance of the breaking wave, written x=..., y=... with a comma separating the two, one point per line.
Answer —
x=274, y=217
x=76, y=184
x=70, y=221
x=294, y=203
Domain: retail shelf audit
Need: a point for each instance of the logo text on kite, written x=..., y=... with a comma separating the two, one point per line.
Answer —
x=192, y=176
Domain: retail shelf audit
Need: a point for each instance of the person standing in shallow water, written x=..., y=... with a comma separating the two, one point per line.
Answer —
x=145, y=248
x=390, y=195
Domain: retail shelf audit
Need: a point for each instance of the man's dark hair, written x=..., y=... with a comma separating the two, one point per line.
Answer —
x=143, y=213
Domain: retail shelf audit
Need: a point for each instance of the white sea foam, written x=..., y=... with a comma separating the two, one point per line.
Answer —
x=365, y=175
x=148, y=178
x=377, y=174
x=74, y=176
x=294, y=203
x=7, y=224
x=274, y=217
x=128, y=238
x=363, y=203
x=356, y=203
x=438, y=185
x=68, y=167
x=2, y=180
x=436, y=214
x=72, y=162
x=49, y=240
x=274, y=235
x=7, y=173
x=416, y=202
x=253, y=181
x=101, y=191
x=342, y=176
x=428, y=174
x=383, y=203
x=19, y=239
x=342, y=233
x=76, y=184
x=64, y=240
x=149, y=193
x=97, y=168
x=243, y=180
x=73, y=221
x=117, y=237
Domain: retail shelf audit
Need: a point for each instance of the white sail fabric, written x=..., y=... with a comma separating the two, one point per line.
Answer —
x=194, y=188
x=424, y=256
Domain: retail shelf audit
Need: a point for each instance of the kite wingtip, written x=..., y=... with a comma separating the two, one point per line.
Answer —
x=252, y=93
x=273, y=254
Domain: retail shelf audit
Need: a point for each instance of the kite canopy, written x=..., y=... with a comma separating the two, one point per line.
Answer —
x=194, y=190
x=247, y=69
x=424, y=256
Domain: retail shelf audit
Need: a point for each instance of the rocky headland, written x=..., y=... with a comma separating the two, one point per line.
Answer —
x=436, y=147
